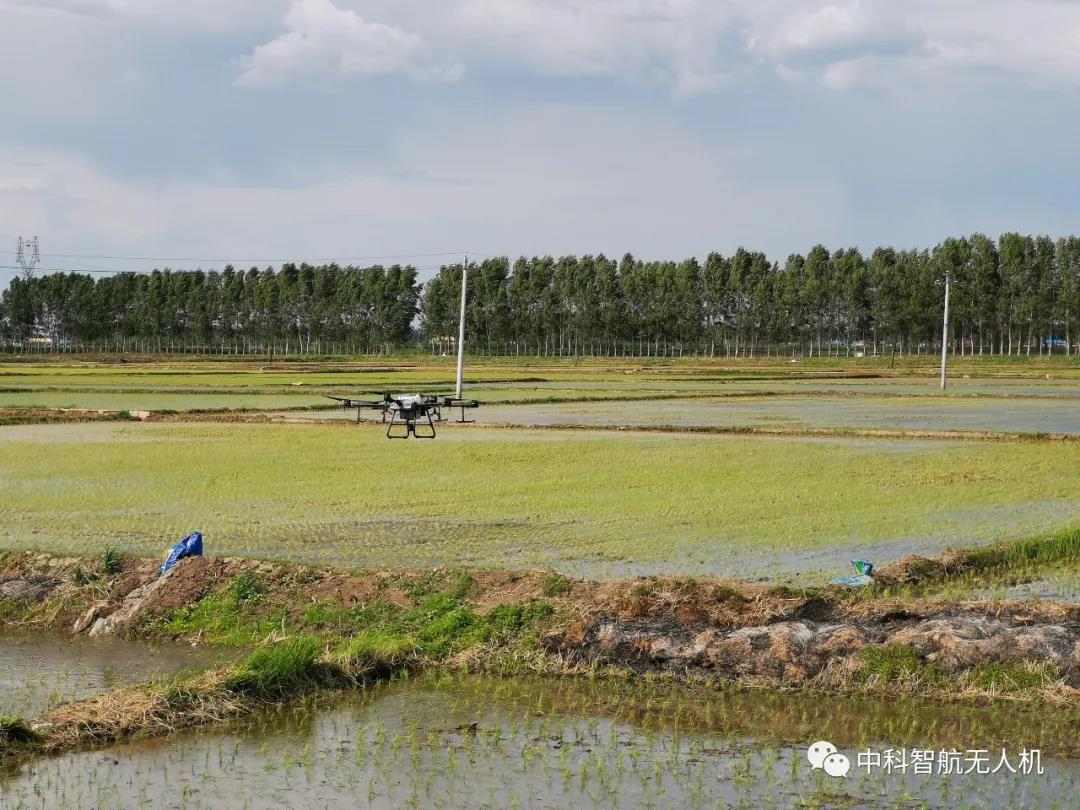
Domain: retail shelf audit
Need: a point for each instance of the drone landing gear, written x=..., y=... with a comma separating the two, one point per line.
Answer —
x=410, y=426
x=463, y=420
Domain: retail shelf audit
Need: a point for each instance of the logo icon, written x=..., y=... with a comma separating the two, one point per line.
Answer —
x=837, y=765
x=823, y=755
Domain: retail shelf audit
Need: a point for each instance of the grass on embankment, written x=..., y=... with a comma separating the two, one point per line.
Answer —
x=958, y=571
x=436, y=631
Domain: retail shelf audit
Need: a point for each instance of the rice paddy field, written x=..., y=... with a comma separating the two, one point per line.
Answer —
x=596, y=469
x=497, y=743
x=593, y=504
x=851, y=470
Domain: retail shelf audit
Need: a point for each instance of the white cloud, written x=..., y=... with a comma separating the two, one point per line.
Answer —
x=550, y=178
x=688, y=46
x=858, y=26
x=694, y=46
x=850, y=42
x=322, y=40
x=683, y=44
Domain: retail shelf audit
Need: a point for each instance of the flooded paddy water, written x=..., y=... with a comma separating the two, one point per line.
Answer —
x=39, y=672
x=500, y=743
x=1005, y=415
x=915, y=411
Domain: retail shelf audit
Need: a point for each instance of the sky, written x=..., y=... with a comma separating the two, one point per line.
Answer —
x=190, y=133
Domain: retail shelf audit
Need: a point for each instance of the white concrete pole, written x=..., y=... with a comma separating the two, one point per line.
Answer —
x=461, y=325
x=945, y=333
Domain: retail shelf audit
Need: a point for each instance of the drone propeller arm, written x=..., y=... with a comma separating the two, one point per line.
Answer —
x=357, y=403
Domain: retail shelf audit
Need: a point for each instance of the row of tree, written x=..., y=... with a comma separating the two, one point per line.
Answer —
x=1018, y=294
x=297, y=309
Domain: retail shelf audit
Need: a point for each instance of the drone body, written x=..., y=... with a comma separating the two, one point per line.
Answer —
x=409, y=412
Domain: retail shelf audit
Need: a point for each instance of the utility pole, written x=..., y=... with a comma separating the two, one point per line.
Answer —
x=27, y=256
x=461, y=325
x=945, y=333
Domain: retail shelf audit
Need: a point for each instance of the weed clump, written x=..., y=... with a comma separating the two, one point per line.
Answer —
x=80, y=576
x=555, y=584
x=511, y=618
x=247, y=587
x=374, y=650
x=276, y=670
x=461, y=585
x=110, y=561
x=725, y=593
x=15, y=733
x=1009, y=678
x=900, y=662
x=10, y=607
x=435, y=630
x=444, y=626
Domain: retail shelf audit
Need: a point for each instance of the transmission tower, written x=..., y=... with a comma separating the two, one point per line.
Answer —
x=27, y=255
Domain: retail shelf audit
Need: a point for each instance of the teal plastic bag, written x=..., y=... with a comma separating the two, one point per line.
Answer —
x=864, y=575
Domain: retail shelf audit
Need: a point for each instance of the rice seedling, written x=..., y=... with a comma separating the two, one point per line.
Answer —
x=754, y=505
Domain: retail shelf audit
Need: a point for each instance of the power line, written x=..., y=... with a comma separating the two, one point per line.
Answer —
x=148, y=272
x=27, y=253
x=246, y=259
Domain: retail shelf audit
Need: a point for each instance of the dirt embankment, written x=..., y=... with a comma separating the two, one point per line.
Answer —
x=827, y=641
x=41, y=416
x=751, y=634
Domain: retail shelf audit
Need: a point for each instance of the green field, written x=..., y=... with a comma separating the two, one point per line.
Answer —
x=191, y=386
x=599, y=504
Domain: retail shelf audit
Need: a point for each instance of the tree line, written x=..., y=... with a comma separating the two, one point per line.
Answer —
x=1014, y=295
x=297, y=309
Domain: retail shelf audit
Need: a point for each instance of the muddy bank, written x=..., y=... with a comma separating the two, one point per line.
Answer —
x=751, y=634
x=316, y=629
x=41, y=416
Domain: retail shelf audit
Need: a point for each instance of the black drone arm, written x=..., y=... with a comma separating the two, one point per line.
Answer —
x=357, y=403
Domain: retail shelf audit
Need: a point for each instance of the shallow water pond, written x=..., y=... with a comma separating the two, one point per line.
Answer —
x=504, y=743
x=1056, y=583
x=795, y=413
x=38, y=672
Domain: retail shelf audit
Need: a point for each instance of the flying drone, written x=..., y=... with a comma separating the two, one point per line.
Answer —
x=409, y=411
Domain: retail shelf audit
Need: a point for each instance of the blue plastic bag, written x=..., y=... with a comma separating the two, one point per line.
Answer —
x=190, y=546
